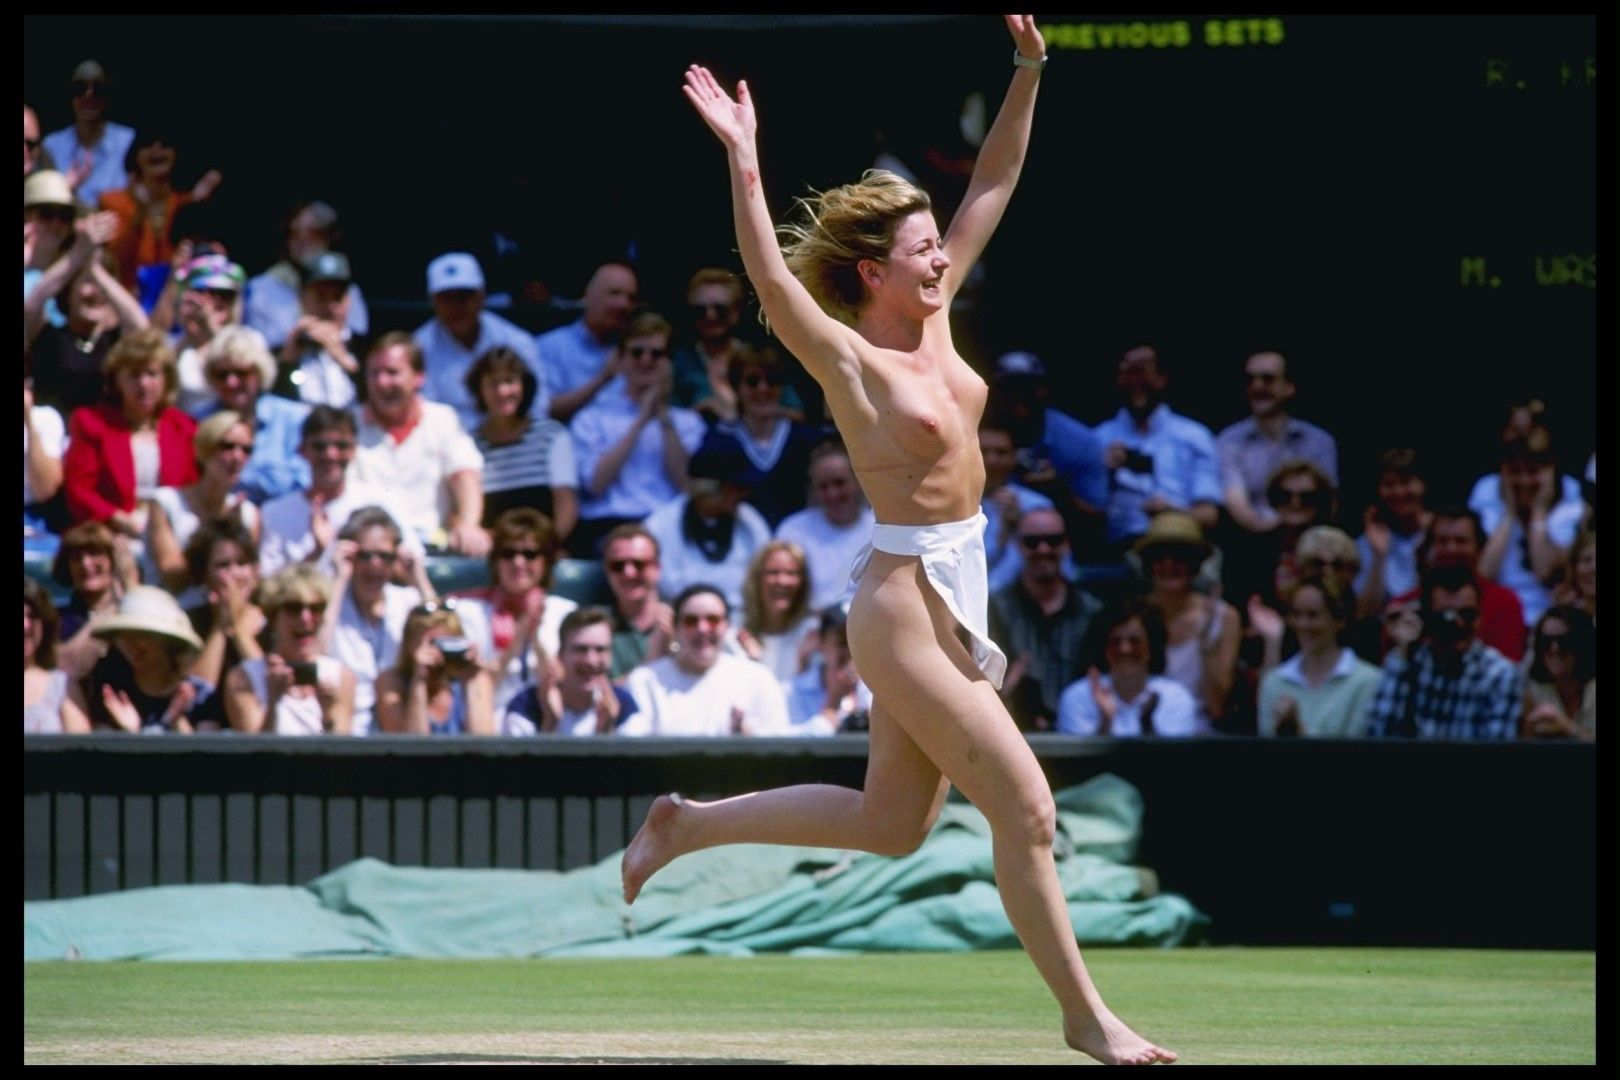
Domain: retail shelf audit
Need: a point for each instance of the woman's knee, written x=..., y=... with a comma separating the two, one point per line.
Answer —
x=1031, y=820
x=899, y=836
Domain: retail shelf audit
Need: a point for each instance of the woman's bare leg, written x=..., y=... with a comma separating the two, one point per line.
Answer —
x=907, y=647
x=904, y=792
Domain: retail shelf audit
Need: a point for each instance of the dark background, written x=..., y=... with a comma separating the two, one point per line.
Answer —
x=1317, y=195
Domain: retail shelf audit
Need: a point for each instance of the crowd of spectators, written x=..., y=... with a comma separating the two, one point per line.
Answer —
x=238, y=490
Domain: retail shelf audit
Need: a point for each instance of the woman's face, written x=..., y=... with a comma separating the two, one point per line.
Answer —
x=520, y=564
x=1552, y=645
x=701, y=627
x=145, y=652
x=1525, y=480
x=714, y=311
x=33, y=633
x=1402, y=494
x=913, y=274
x=141, y=390
x=782, y=577
x=1298, y=500
x=154, y=161
x=1126, y=649
x=1170, y=571
x=757, y=394
x=87, y=303
x=228, y=564
x=1310, y=619
x=90, y=570
x=232, y=453
x=297, y=629
x=502, y=394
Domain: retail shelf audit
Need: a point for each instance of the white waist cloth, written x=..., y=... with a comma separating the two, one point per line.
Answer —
x=952, y=556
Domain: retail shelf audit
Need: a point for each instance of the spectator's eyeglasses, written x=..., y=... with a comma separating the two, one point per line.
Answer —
x=752, y=381
x=30, y=145
x=1051, y=540
x=1284, y=497
x=530, y=554
x=298, y=607
x=641, y=352
x=219, y=374
x=1460, y=616
x=431, y=606
x=1336, y=564
x=83, y=88
x=1265, y=377
x=701, y=310
x=693, y=621
x=619, y=566
x=320, y=446
x=244, y=447
x=375, y=556
x=1553, y=641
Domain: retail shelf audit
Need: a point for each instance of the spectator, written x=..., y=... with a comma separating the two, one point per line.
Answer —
x=317, y=364
x=34, y=155
x=54, y=227
x=238, y=365
x=140, y=685
x=146, y=206
x=828, y=696
x=1579, y=587
x=1327, y=551
x=92, y=563
x=1253, y=449
x=643, y=625
x=580, y=359
x=294, y=689
x=513, y=622
x=44, y=438
x=578, y=698
x=1203, y=631
x=1004, y=503
x=1439, y=680
x=702, y=370
x=633, y=444
x=365, y=620
x=699, y=689
x=437, y=685
x=417, y=452
x=1392, y=528
x=1560, y=695
x=1323, y=690
x=134, y=441
x=301, y=525
x=1124, y=693
x=1040, y=621
x=1529, y=530
x=1157, y=460
x=528, y=456
x=272, y=297
x=209, y=290
x=779, y=629
x=67, y=360
x=1456, y=538
x=93, y=149
x=834, y=528
x=48, y=709
x=1300, y=496
x=461, y=331
x=710, y=535
x=1489, y=497
x=224, y=444
x=1055, y=455
x=222, y=560
x=777, y=445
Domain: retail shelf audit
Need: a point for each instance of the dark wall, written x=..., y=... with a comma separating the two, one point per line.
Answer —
x=1317, y=187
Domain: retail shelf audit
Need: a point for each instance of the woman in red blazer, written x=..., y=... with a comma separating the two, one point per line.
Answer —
x=133, y=441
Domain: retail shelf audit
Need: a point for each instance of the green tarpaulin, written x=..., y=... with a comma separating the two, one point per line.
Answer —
x=735, y=900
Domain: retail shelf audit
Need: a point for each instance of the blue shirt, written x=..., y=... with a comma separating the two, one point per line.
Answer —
x=1249, y=458
x=107, y=157
x=276, y=466
x=448, y=362
x=1076, y=453
x=641, y=486
x=1185, y=471
x=1003, y=554
x=571, y=356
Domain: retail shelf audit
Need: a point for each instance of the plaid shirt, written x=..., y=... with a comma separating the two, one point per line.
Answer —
x=1416, y=699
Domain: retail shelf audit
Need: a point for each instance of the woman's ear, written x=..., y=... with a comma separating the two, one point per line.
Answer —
x=870, y=271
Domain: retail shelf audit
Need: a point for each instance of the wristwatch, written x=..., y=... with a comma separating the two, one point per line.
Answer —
x=1020, y=60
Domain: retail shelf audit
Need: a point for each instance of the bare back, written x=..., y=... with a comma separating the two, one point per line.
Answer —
x=910, y=422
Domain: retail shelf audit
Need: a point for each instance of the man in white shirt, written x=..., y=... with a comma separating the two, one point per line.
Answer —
x=709, y=536
x=833, y=529
x=461, y=331
x=417, y=453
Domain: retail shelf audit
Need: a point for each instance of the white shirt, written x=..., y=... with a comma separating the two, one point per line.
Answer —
x=684, y=564
x=287, y=539
x=52, y=436
x=413, y=475
x=294, y=715
x=448, y=362
x=369, y=650
x=829, y=550
x=779, y=652
x=1176, y=714
x=1563, y=523
x=670, y=701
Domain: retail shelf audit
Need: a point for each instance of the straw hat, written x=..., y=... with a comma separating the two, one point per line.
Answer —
x=1174, y=529
x=47, y=187
x=149, y=610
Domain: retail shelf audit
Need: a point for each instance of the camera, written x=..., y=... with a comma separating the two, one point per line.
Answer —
x=1137, y=462
x=304, y=673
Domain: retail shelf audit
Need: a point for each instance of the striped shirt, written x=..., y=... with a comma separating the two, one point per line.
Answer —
x=543, y=457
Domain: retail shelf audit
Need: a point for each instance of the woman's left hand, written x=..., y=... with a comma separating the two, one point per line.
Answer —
x=1026, y=36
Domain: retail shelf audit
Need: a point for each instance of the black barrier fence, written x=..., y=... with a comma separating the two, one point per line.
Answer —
x=1280, y=842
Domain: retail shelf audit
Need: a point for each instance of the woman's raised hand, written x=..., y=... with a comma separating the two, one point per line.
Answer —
x=732, y=120
x=1025, y=36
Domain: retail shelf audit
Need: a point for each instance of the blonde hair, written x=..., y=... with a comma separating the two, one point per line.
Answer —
x=715, y=275
x=839, y=228
x=137, y=351
x=211, y=432
x=300, y=583
x=756, y=617
x=242, y=345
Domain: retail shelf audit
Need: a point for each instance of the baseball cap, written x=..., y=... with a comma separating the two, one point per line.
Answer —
x=327, y=266
x=455, y=270
x=213, y=272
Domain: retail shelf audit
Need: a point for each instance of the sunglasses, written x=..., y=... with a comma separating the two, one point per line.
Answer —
x=701, y=310
x=1550, y=641
x=82, y=88
x=244, y=447
x=432, y=606
x=641, y=352
x=298, y=607
x=1336, y=564
x=320, y=446
x=693, y=621
x=752, y=381
x=530, y=554
x=226, y=374
x=1285, y=497
x=375, y=556
x=1051, y=540
x=1460, y=616
x=619, y=566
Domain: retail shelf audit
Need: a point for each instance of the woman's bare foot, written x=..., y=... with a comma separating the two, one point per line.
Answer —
x=653, y=847
x=1106, y=1038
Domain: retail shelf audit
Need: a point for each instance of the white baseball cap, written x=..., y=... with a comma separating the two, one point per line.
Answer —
x=454, y=270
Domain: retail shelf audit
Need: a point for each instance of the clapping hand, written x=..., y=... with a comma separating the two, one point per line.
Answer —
x=120, y=708
x=1285, y=716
